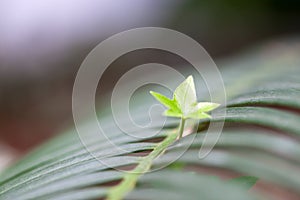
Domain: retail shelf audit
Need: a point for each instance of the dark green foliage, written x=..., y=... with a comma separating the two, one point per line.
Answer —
x=260, y=139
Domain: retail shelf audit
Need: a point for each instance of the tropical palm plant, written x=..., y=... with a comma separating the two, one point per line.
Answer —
x=260, y=139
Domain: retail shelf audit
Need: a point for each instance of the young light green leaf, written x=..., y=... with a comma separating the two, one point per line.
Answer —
x=206, y=106
x=185, y=95
x=184, y=104
x=169, y=103
x=172, y=113
x=198, y=115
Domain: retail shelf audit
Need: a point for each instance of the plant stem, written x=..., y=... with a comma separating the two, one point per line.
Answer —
x=181, y=127
x=130, y=178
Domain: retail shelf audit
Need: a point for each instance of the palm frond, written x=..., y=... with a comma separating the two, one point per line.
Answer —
x=261, y=139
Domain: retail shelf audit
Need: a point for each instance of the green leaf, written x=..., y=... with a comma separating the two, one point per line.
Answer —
x=198, y=115
x=172, y=113
x=185, y=95
x=268, y=148
x=184, y=103
x=200, y=109
x=171, y=104
x=168, y=184
x=206, y=106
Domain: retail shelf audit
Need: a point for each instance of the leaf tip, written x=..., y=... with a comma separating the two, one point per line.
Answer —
x=190, y=78
x=216, y=105
x=154, y=94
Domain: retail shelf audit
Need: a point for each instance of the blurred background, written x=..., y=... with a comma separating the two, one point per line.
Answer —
x=42, y=44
